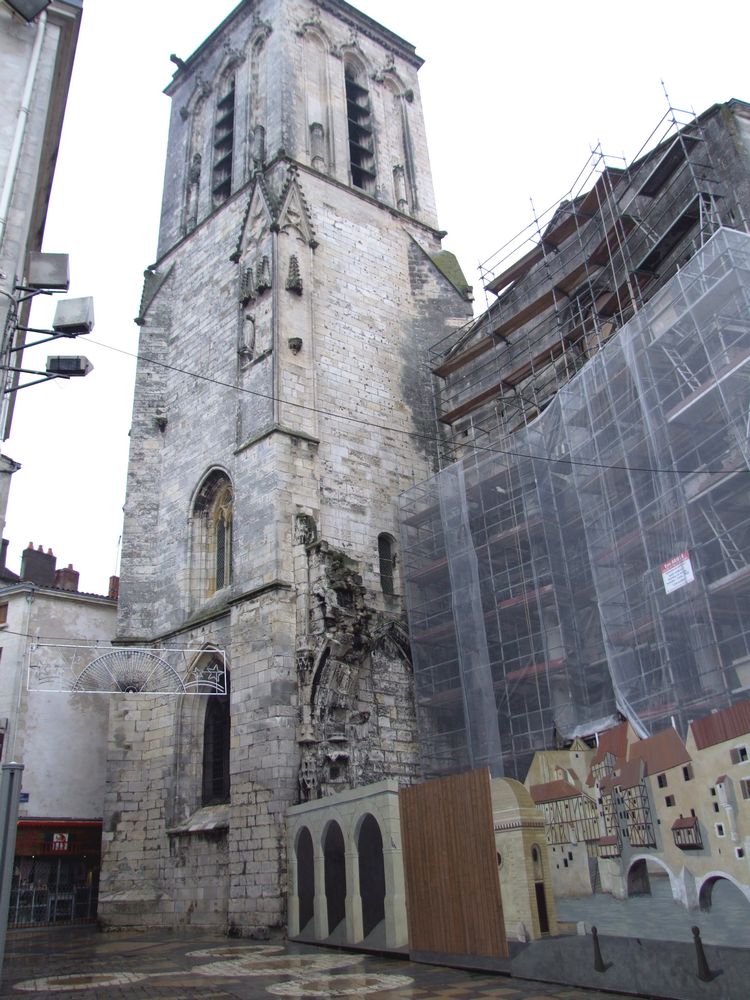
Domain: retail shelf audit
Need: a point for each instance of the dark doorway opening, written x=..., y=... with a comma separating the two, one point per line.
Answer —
x=371, y=874
x=305, y=878
x=335, y=876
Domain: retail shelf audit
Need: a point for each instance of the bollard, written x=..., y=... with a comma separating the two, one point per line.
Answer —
x=598, y=960
x=704, y=973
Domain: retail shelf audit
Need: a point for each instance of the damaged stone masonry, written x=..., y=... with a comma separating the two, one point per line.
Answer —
x=355, y=707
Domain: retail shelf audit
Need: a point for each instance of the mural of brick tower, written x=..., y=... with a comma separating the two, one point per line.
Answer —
x=282, y=402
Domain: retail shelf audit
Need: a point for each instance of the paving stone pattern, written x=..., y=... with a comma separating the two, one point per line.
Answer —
x=80, y=962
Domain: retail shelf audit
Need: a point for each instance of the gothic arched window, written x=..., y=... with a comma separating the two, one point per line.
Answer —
x=387, y=561
x=211, y=568
x=359, y=122
x=216, y=730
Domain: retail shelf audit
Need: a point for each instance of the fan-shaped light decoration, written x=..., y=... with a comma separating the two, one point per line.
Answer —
x=129, y=671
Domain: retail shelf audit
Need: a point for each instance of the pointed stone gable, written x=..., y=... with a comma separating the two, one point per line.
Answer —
x=294, y=217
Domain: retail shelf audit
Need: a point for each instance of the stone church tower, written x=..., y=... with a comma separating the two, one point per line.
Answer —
x=282, y=402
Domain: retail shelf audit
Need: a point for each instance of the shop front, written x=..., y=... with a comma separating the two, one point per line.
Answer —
x=56, y=872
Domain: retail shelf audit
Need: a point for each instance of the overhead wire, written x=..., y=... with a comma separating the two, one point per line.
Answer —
x=363, y=422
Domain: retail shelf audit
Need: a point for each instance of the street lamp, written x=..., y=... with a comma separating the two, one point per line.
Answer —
x=47, y=273
x=28, y=9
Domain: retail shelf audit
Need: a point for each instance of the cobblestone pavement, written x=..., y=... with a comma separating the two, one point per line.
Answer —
x=81, y=963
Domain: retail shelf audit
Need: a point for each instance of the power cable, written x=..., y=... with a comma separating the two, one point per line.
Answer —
x=505, y=452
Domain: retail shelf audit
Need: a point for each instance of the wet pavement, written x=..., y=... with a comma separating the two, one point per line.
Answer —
x=82, y=963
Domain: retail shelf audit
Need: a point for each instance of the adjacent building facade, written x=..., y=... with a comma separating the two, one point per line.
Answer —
x=36, y=61
x=282, y=402
x=59, y=738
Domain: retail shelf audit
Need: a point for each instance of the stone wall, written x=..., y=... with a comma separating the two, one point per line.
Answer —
x=292, y=321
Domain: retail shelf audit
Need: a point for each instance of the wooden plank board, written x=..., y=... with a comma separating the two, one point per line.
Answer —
x=450, y=864
x=473, y=403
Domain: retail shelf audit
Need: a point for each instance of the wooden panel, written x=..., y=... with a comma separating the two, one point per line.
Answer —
x=450, y=864
x=469, y=405
x=545, y=357
x=459, y=360
x=516, y=270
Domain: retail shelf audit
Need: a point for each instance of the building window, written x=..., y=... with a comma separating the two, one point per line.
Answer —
x=687, y=772
x=745, y=788
x=221, y=186
x=387, y=560
x=223, y=531
x=211, y=560
x=359, y=121
x=3, y=614
x=669, y=800
x=719, y=829
x=739, y=852
x=716, y=807
x=216, y=729
x=738, y=755
x=661, y=780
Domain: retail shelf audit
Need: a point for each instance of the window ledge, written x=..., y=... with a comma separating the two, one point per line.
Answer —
x=203, y=820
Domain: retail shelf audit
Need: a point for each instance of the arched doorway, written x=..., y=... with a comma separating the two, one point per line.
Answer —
x=723, y=895
x=371, y=874
x=639, y=883
x=335, y=875
x=305, y=878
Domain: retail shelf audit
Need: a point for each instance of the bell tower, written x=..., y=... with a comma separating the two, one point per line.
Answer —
x=282, y=403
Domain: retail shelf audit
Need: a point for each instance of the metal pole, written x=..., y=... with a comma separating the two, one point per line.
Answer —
x=10, y=793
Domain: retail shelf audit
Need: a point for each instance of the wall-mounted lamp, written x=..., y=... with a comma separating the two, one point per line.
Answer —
x=28, y=9
x=47, y=273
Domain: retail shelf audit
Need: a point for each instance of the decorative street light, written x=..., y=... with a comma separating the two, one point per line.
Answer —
x=46, y=273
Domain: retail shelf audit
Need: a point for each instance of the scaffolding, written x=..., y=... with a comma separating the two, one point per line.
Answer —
x=576, y=275
x=596, y=565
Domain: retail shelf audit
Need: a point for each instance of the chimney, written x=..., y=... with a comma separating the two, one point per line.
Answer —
x=67, y=579
x=38, y=566
x=114, y=587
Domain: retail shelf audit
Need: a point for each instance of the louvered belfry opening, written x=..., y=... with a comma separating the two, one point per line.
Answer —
x=359, y=119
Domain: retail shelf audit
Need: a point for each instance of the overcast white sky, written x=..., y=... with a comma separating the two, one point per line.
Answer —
x=515, y=95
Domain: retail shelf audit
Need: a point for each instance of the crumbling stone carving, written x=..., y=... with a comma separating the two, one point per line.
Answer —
x=352, y=674
x=294, y=278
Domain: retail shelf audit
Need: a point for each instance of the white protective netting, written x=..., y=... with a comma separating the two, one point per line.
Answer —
x=598, y=561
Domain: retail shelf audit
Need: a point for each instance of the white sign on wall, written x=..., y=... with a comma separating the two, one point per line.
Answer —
x=677, y=572
x=60, y=841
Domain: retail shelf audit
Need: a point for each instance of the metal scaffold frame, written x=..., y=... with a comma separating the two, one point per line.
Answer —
x=595, y=565
x=569, y=281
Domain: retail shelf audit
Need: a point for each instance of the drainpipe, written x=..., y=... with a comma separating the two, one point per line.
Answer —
x=23, y=117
